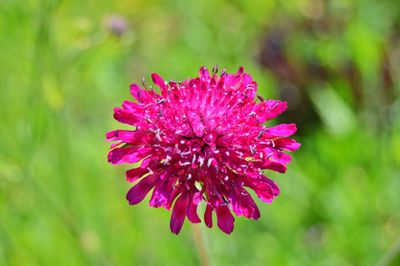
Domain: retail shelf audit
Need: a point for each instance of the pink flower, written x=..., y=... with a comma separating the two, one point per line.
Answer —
x=202, y=139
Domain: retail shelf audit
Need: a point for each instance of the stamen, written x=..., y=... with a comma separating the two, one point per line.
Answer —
x=201, y=160
x=253, y=149
x=209, y=161
x=273, y=107
x=184, y=163
x=144, y=82
x=261, y=134
x=215, y=69
x=185, y=153
x=150, y=171
x=166, y=160
x=162, y=100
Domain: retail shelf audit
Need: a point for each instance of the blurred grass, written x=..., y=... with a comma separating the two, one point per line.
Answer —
x=62, y=73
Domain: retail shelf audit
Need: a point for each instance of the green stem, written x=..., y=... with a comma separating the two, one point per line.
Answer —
x=200, y=245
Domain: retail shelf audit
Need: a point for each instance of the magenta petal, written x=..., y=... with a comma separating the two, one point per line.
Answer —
x=135, y=91
x=287, y=144
x=240, y=70
x=208, y=216
x=132, y=106
x=265, y=195
x=265, y=189
x=282, y=130
x=116, y=155
x=276, y=166
x=138, y=192
x=128, y=136
x=281, y=157
x=274, y=187
x=172, y=196
x=225, y=219
x=204, y=74
x=179, y=213
x=128, y=154
x=157, y=80
x=192, y=213
x=146, y=162
x=134, y=174
x=197, y=197
x=163, y=193
x=160, y=83
x=269, y=109
x=243, y=204
x=196, y=124
x=112, y=135
x=126, y=116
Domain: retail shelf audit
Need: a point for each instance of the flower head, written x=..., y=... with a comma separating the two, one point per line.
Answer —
x=202, y=139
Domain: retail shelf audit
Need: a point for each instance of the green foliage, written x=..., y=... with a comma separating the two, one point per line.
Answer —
x=63, y=70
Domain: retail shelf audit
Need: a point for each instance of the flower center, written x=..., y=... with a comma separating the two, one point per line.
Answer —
x=197, y=151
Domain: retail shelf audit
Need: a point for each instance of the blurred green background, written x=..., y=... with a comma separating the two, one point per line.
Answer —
x=65, y=64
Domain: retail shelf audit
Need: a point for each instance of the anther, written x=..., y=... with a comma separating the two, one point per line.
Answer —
x=201, y=160
x=184, y=163
x=273, y=107
x=261, y=134
x=144, y=82
x=162, y=100
x=215, y=69
x=185, y=153
x=225, y=200
x=253, y=149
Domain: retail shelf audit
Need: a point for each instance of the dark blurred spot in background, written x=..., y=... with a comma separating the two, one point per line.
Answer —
x=316, y=48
